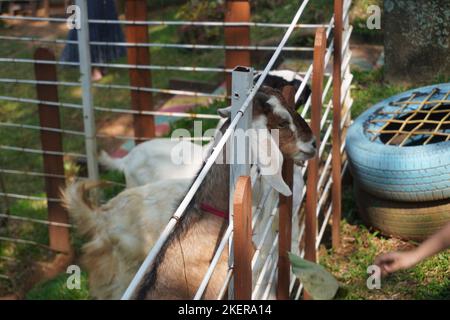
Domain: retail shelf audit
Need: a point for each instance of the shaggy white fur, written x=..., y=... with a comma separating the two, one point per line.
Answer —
x=157, y=159
x=122, y=231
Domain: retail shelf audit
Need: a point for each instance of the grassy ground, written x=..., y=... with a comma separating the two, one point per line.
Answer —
x=428, y=280
x=56, y=289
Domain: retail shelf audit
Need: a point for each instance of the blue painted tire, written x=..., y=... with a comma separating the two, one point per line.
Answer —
x=409, y=173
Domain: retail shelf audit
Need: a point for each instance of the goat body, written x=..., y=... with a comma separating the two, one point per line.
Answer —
x=186, y=255
x=153, y=160
x=157, y=159
x=122, y=231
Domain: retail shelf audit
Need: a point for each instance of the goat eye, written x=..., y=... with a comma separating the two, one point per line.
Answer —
x=284, y=124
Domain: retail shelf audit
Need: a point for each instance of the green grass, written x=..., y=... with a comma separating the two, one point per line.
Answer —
x=206, y=124
x=24, y=255
x=369, y=88
x=428, y=280
x=360, y=245
x=56, y=289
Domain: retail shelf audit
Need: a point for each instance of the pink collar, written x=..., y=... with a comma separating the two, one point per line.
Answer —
x=214, y=211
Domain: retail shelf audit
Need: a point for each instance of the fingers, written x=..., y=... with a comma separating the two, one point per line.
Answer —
x=392, y=267
x=385, y=259
x=388, y=262
x=394, y=261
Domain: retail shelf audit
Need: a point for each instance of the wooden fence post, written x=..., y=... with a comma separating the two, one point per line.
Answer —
x=242, y=239
x=52, y=141
x=46, y=8
x=285, y=218
x=236, y=11
x=144, y=125
x=313, y=164
x=336, y=147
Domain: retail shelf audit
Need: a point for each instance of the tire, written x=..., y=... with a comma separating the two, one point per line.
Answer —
x=404, y=220
x=409, y=173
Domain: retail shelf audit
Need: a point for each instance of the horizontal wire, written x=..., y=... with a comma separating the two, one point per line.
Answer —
x=160, y=45
x=46, y=222
x=172, y=22
x=29, y=242
x=116, y=110
x=40, y=151
x=126, y=66
x=115, y=86
x=24, y=197
x=49, y=175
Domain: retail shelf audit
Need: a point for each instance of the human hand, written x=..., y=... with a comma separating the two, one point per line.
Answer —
x=394, y=261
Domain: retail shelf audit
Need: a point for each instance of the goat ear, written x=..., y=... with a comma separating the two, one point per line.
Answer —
x=304, y=96
x=260, y=105
x=224, y=112
x=269, y=159
x=262, y=96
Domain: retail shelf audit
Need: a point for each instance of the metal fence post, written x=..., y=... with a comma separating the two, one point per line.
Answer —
x=86, y=86
x=336, y=147
x=236, y=11
x=242, y=81
x=313, y=164
x=347, y=77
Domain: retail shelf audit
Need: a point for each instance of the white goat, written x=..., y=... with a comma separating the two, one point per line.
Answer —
x=122, y=231
x=157, y=159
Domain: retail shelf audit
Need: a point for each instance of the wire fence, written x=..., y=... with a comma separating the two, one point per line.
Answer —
x=78, y=144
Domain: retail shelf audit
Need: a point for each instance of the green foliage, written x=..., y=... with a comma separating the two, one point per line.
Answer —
x=198, y=10
x=370, y=88
x=114, y=189
x=158, y=4
x=317, y=281
x=266, y=4
x=358, y=18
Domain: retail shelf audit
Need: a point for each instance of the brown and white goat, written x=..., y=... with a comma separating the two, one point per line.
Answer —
x=114, y=254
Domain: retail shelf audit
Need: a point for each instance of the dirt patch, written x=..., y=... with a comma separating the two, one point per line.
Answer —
x=41, y=29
